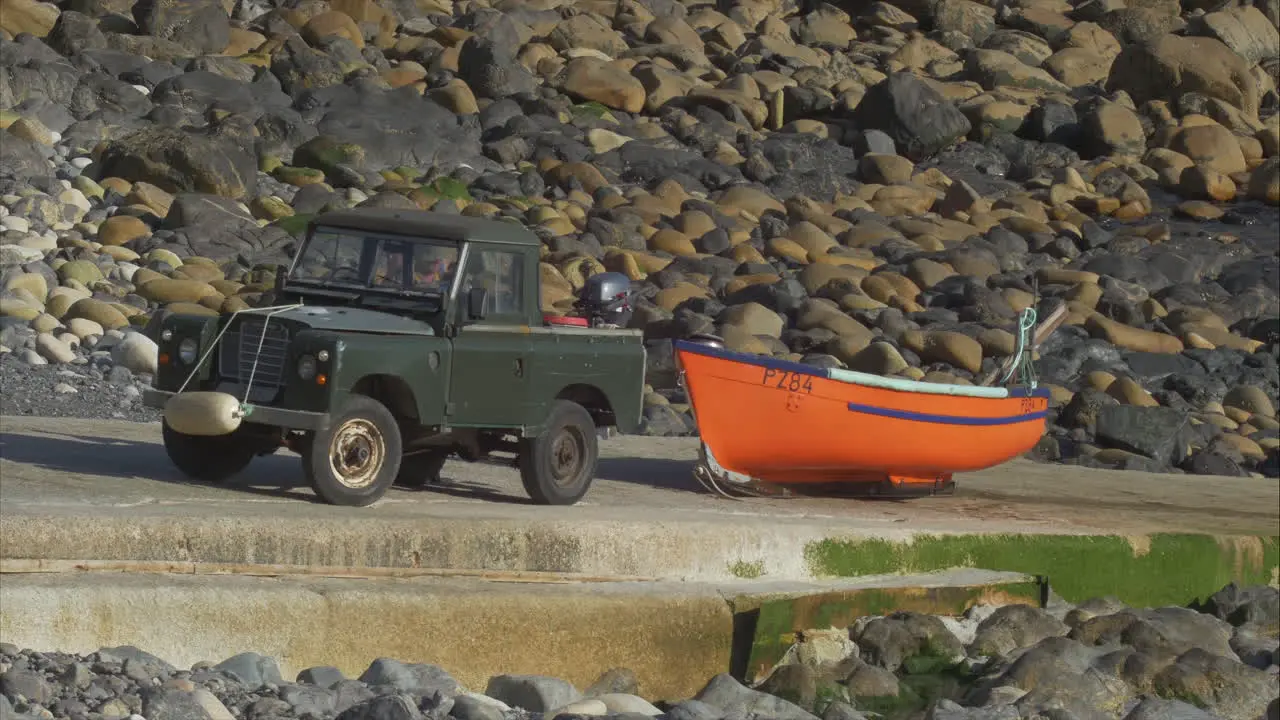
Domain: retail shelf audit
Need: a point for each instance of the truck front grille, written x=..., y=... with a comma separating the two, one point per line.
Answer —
x=239, y=349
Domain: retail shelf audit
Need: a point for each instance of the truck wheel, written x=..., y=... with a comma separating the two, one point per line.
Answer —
x=557, y=466
x=208, y=458
x=355, y=459
x=421, y=469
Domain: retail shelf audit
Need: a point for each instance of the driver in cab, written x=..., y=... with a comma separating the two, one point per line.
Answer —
x=431, y=270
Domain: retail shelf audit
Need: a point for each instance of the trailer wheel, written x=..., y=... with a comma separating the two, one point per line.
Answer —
x=208, y=458
x=355, y=459
x=421, y=469
x=557, y=466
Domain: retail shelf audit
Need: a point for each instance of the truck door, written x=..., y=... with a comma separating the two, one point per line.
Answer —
x=488, y=385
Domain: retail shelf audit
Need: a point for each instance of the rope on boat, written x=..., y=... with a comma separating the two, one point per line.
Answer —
x=1023, y=365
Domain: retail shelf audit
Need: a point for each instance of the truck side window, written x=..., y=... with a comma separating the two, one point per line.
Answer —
x=501, y=272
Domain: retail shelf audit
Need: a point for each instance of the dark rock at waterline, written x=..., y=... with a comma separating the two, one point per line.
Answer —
x=1257, y=605
x=891, y=641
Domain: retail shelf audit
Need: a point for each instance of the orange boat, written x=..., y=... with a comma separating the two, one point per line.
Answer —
x=766, y=423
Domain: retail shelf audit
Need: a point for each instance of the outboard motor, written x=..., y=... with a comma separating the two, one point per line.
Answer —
x=605, y=300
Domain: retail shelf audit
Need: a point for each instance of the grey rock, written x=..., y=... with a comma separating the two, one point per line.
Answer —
x=1155, y=708
x=1155, y=432
x=172, y=704
x=842, y=711
x=16, y=683
x=535, y=693
x=734, y=698
x=202, y=26
x=488, y=62
x=1254, y=649
x=614, y=680
x=918, y=119
x=662, y=421
x=1165, y=630
x=77, y=675
x=21, y=159
x=945, y=709
x=414, y=678
x=1226, y=687
x=1060, y=670
x=693, y=710
x=1012, y=627
x=1258, y=605
x=181, y=161
x=309, y=699
x=251, y=670
x=137, y=663
x=348, y=693
x=396, y=706
x=325, y=676
x=891, y=641
x=872, y=681
x=469, y=708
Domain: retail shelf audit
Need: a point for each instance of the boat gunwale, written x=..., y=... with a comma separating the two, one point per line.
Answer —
x=765, y=361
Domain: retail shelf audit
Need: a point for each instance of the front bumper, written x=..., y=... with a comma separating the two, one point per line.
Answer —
x=259, y=414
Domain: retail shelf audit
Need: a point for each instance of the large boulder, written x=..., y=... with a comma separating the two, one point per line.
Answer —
x=1174, y=65
x=201, y=26
x=27, y=16
x=1245, y=30
x=396, y=127
x=219, y=229
x=918, y=118
x=179, y=161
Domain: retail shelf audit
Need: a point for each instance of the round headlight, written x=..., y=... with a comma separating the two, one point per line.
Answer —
x=323, y=355
x=306, y=367
x=187, y=351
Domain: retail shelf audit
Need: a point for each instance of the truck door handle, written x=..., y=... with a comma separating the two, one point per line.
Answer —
x=519, y=368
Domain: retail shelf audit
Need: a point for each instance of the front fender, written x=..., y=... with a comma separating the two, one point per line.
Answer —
x=421, y=363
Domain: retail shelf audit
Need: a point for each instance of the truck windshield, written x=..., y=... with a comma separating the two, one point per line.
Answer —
x=350, y=260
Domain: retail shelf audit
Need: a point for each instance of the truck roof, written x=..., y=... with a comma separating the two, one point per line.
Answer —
x=428, y=224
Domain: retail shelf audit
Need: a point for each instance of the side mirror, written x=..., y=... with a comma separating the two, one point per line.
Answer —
x=477, y=298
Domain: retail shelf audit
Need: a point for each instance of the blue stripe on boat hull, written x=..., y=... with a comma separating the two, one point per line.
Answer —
x=802, y=369
x=946, y=419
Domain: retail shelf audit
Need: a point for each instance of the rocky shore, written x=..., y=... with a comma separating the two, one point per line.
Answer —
x=1096, y=661
x=880, y=186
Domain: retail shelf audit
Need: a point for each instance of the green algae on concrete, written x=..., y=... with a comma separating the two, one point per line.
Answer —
x=1143, y=570
x=778, y=622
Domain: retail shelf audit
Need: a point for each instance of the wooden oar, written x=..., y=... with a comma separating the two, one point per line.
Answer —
x=1041, y=333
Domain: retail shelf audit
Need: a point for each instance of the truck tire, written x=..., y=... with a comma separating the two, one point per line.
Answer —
x=421, y=469
x=558, y=465
x=208, y=458
x=355, y=459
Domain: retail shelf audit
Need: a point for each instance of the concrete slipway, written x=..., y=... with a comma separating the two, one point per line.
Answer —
x=102, y=542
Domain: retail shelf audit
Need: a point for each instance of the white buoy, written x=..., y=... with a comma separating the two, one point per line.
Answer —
x=203, y=413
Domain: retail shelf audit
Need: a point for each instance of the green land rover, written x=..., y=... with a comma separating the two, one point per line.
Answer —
x=393, y=340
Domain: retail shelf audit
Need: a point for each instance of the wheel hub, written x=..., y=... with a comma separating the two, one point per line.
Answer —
x=356, y=453
x=566, y=457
